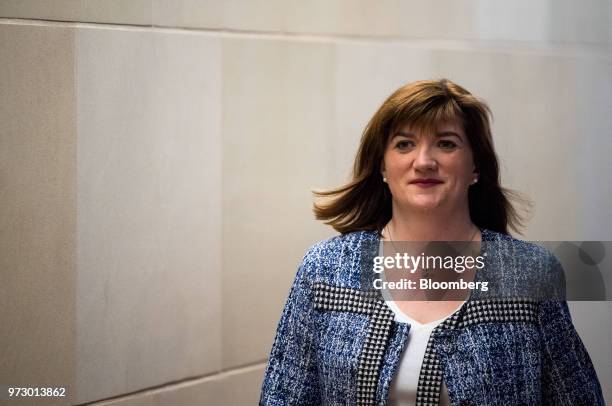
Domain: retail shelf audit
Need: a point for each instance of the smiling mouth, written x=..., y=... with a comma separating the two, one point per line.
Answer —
x=426, y=183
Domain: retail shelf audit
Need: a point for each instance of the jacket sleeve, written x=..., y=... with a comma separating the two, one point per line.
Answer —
x=291, y=374
x=568, y=375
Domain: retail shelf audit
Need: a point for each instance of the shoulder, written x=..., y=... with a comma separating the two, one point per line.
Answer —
x=518, y=252
x=334, y=245
x=337, y=260
x=524, y=263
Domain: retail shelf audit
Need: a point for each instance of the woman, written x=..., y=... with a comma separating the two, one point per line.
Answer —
x=426, y=170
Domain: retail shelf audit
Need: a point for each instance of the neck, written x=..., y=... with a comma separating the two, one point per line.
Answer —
x=407, y=225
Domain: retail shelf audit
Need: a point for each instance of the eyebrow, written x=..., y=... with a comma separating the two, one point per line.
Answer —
x=439, y=134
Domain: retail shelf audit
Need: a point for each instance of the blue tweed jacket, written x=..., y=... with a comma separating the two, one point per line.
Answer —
x=337, y=342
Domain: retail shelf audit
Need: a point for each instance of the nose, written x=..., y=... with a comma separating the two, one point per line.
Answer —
x=425, y=159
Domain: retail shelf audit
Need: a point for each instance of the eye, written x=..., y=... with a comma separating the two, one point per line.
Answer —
x=404, y=144
x=447, y=144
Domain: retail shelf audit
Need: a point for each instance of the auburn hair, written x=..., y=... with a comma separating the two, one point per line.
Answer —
x=364, y=203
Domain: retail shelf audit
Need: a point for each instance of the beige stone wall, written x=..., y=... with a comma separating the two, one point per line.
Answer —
x=38, y=226
x=157, y=159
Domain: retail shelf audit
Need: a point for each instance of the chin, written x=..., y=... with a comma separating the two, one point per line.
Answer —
x=423, y=205
x=425, y=208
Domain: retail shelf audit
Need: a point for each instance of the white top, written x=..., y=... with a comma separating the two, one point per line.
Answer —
x=404, y=386
x=403, y=389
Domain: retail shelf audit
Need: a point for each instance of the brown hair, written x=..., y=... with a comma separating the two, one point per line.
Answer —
x=365, y=202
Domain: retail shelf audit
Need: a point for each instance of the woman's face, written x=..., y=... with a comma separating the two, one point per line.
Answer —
x=428, y=171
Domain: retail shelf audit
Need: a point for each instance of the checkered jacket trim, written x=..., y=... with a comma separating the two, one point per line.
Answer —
x=474, y=312
x=371, y=303
x=381, y=320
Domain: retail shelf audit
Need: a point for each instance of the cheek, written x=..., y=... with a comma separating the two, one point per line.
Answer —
x=464, y=174
x=462, y=169
x=397, y=163
x=396, y=169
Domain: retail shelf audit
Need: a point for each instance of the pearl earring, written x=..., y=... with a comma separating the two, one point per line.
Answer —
x=384, y=179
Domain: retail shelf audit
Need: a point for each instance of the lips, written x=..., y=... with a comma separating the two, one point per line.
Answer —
x=428, y=182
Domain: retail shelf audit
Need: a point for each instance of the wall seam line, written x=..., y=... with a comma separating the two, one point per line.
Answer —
x=484, y=45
